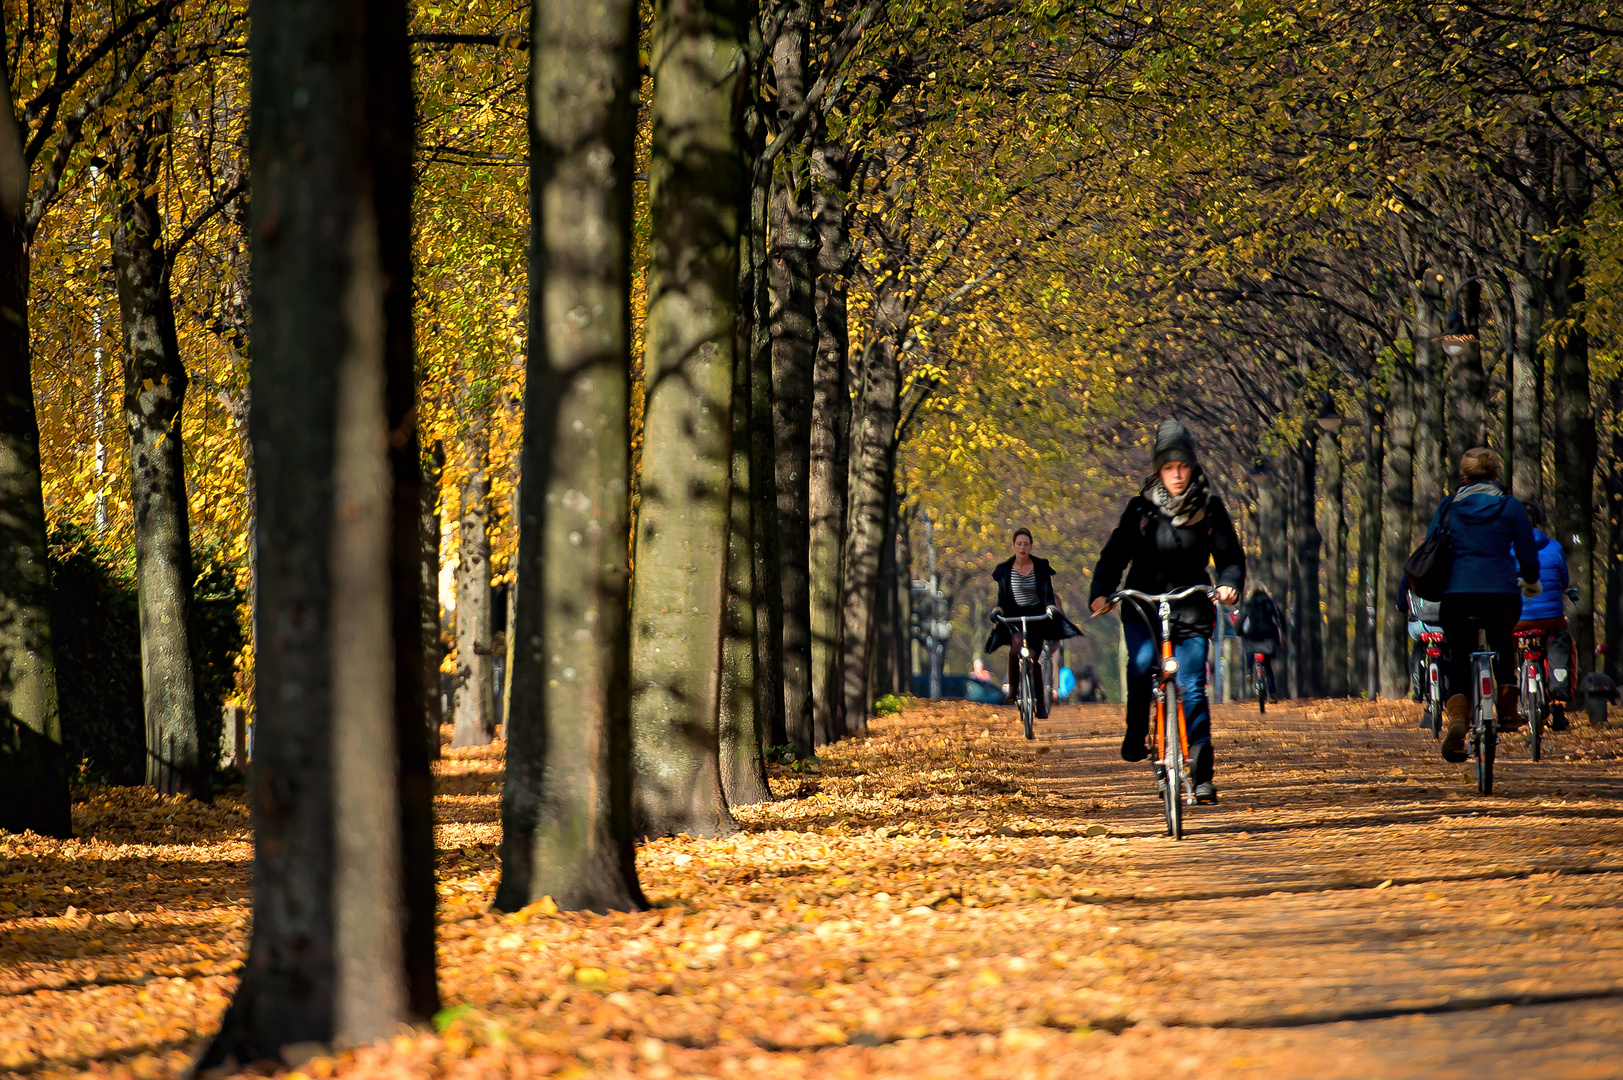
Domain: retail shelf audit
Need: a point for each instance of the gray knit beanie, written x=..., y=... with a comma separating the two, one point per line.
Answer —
x=1173, y=443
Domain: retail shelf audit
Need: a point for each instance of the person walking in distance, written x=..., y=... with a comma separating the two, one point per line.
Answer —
x=1170, y=533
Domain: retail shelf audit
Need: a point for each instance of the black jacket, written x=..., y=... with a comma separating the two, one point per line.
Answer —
x=1165, y=558
x=1044, y=631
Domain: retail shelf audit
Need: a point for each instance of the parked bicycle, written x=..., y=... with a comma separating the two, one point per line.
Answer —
x=1171, y=729
x=1026, y=679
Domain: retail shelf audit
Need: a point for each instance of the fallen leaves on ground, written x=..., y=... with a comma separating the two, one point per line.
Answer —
x=939, y=900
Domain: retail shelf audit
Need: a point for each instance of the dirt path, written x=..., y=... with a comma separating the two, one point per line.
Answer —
x=1351, y=907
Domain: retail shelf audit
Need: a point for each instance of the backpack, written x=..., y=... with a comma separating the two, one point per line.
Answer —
x=1432, y=564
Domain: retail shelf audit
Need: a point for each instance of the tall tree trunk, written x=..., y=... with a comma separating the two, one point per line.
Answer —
x=1366, y=635
x=901, y=611
x=790, y=259
x=1335, y=568
x=871, y=487
x=769, y=686
x=1614, y=534
x=34, y=792
x=429, y=535
x=1467, y=386
x=1572, y=502
x=1397, y=524
x=830, y=437
x=1305, y=534
x=341, y=798
x=678, y=606
x=566, y=801
x=886, y=657
x=154, y=396
x=1527, y=389
x=1433, y=470
x=1274, y=549
x=475, y=677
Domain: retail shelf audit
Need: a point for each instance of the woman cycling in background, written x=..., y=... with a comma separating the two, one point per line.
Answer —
x=1544, y=612
x=1495, y=565
x=1025, y=586
x=1170, y=533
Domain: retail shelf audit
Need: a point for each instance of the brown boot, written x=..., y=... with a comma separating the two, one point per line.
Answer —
x=1456, y=722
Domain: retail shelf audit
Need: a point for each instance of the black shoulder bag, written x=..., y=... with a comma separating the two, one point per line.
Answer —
x=1432, y=564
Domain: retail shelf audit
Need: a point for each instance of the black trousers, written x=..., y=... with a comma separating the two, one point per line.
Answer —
x=1463, y=615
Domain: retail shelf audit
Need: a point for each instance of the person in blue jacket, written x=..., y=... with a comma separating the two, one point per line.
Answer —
x=1495, y=566
x=1544, y=612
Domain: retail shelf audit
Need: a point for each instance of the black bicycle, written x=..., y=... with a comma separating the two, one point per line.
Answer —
x=1259, y=680
x=1025, y=688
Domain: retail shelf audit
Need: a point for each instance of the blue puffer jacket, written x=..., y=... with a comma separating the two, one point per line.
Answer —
x=1492, y=540
x=1552, y=574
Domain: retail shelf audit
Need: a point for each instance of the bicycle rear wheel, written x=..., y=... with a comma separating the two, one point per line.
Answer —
x=1172, y=794
x=1535, y=724
x=1028, y=701
x=1486, y=750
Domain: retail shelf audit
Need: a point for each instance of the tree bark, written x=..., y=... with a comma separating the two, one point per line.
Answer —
x=1433, y=470
x=34, y=794
x=830, y=438
x=1397, y=517
x=475, y=682
x=901, y=610
x=1572, y=501
x=1467, y=386
x=154, y=397
x=1614, y=535
x=1274, y=551
x=340, y=790
x=696, y=186
x=790, y=257
x=429, y=537
x=1366, y=633
x=1335, y=567
x=873, y=467
x=566, y=800
x=1527, y=389
x=1305, y=533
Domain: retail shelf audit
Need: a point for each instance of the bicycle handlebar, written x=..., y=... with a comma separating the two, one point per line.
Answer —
x=1156, y=598
x=999, y=617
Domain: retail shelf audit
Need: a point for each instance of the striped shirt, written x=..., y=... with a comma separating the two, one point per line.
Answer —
x=1025, y=587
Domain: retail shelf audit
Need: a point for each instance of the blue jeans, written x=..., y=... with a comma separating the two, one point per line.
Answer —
x=1143, y=653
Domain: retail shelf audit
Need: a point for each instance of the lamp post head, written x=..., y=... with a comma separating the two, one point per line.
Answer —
x=1329, y=420
x=1456, y=340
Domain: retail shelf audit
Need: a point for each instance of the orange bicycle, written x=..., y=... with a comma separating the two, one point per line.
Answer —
x=1171, y=728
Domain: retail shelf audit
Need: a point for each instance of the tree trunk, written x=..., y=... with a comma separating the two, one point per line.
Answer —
x=1366, y=635
x=1572, y=501
x=1433, y=470
x=678, y=606
x=340, y=794
x=1614, y=535
x=901, y=611
x=154, y=396
x=1467, y=386
x=769, y=691
x=869, y=511
x=34, y=794
x=429, y=535
x=1274, y=549
x=566, y=801
x=1527, y=389
x=1397, y=516
x=475, y=681
x=1305, y=533
x=886, y=657
x=830, y=438
x=793, y=248
x=1335, y=569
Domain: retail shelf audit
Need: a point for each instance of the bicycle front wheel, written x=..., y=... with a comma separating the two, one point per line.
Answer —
x=1028, y=702
x=1173, y=792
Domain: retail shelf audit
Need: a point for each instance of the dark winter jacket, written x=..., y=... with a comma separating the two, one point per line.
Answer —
x=1260, y=619
x=1044, y=631
x=1164, y=558
x=1492, y=540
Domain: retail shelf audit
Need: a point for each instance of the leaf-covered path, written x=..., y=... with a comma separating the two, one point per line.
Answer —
x=942, y=900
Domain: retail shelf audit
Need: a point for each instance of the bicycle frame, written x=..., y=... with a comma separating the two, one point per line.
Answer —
x=1025, y=693
x=1484, y=719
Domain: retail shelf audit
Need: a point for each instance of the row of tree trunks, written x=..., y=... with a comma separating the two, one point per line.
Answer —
x=1335, y=567
x=342, y=947
x=1366, y=620
x=1273, y=570
x=566, y=801
x=1308, y=642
